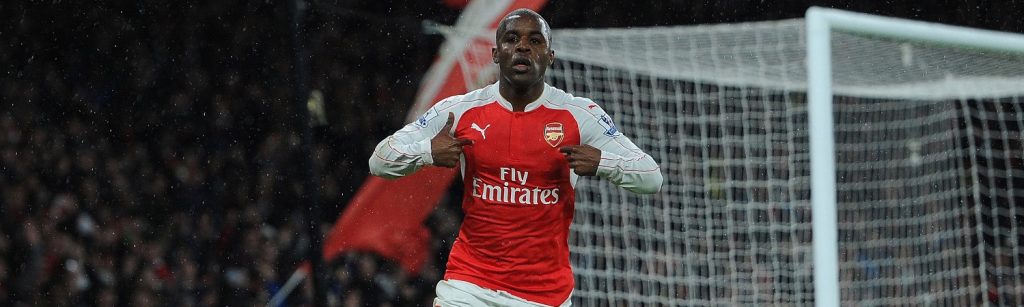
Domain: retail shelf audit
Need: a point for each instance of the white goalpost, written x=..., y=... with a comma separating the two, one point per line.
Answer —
x=820, y=25
x=838, y=159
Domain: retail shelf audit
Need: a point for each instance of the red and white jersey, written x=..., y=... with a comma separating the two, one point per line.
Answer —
x=519, y=190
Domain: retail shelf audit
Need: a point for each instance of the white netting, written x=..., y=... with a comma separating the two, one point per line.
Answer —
x=929, y=168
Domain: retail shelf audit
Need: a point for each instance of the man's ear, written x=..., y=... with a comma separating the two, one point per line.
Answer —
x=552, y=54
x=494, y=55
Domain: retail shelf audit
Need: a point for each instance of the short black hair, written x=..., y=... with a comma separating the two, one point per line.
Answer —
x=545, y=29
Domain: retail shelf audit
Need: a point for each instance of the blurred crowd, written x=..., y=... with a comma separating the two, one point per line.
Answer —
x=147, y=150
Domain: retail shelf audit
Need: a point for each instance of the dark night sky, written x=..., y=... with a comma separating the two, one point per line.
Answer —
x=1000, y=15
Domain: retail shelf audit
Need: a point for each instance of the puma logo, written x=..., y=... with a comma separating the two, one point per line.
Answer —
x=483, y=131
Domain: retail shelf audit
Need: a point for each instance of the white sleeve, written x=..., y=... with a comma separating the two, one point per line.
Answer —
x=622, y=162
x=408, y=149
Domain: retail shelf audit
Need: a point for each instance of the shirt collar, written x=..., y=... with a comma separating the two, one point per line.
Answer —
x=530, y=106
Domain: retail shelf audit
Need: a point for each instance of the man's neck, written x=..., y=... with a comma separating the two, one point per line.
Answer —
x=519, y=97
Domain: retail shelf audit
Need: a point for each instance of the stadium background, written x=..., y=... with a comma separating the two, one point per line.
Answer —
x=147, y=149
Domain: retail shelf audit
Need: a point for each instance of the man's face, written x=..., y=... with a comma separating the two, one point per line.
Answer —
x=522, y=51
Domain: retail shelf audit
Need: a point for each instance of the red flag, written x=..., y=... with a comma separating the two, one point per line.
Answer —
x=386, y=216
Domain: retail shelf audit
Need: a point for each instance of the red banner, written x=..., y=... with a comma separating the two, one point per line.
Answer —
x=386, y=216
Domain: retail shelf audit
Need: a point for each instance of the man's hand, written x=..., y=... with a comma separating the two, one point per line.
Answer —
x=444, y=148
x=582, y=158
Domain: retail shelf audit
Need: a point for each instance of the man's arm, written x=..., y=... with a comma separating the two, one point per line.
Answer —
x=608, y=153
x=426, y=141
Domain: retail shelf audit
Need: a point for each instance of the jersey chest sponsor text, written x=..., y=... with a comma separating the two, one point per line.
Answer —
x=513, y=190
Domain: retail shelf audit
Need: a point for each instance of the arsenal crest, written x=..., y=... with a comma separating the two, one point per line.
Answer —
x=553, y=134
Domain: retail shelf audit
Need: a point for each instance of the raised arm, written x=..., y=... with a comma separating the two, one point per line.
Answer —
x=426, y=141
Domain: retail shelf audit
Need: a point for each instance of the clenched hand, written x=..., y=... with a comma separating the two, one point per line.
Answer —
x=444, y=149
x=583, y=159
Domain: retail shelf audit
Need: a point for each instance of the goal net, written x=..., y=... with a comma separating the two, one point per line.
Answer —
x=929, y=168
